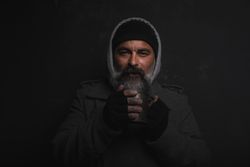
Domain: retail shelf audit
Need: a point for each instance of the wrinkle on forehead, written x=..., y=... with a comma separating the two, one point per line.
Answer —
x=134, y=45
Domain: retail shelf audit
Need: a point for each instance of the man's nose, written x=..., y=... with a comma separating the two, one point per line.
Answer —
x=133, y=59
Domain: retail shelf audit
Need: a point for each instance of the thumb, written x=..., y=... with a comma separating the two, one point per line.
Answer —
x=153, y=100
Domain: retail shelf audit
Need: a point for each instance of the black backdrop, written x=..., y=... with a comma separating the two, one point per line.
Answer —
x=49, y=47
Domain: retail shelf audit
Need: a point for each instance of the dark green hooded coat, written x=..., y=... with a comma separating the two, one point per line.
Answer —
x=85, y=140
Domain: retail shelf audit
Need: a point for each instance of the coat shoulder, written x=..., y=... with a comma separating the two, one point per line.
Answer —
x=173, y=88
x=175, y=98
x=174, y=94
x=86, y=86
x=98, y=88
x=90, y=82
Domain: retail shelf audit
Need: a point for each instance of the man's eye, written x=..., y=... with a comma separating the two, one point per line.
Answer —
x=143, y=53
x=123, y=52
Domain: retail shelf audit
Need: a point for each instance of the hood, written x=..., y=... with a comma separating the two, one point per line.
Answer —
x=157, y=65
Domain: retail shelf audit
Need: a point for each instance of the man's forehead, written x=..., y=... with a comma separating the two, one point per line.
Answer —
x=134, y=44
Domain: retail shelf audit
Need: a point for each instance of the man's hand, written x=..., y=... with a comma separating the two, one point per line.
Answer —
x=134, y=102
x=122, y=106
x=157, y=119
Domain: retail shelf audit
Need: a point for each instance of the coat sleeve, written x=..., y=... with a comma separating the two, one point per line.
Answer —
x=181, y=144
x=83, y=136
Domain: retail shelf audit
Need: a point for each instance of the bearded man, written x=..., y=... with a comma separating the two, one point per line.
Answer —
x=130, y=119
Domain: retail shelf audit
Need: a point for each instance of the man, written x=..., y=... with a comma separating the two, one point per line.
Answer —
x=130, y=119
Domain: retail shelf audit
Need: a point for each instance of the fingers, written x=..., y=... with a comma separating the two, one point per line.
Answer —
x=133, y=116
x=134, y=101
x=134, y=112
x=134, y=109
x=127, y=109
x=153, y=100
x=130, y=93
x=127, y=92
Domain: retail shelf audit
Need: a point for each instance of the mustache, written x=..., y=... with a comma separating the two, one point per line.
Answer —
x=133, y=70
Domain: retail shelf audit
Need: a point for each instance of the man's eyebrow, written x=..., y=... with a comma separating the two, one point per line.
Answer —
x=122, y=48
x=144, y=49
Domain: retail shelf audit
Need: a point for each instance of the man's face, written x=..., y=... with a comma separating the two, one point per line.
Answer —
x=136, y=53
x=135, y=59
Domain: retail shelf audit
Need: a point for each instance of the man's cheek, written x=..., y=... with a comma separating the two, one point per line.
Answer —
x=120, y=67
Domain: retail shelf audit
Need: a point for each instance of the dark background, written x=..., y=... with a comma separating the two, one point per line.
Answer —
x=49, y=47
